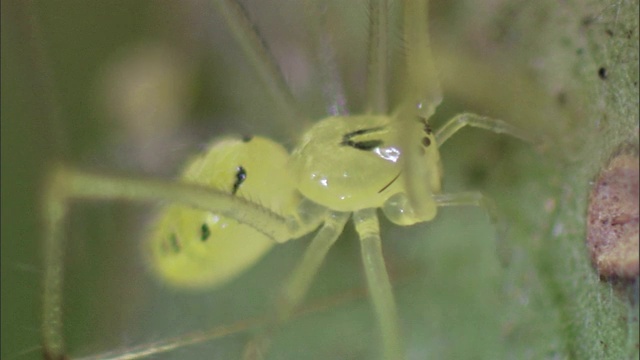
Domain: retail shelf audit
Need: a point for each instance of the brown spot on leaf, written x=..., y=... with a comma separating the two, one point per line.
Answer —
x=612, y=228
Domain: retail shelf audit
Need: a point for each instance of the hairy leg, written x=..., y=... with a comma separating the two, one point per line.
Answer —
x=298, y=284
x=66, y=184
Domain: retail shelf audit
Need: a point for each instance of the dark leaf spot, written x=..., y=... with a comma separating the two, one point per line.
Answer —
x=602, y=73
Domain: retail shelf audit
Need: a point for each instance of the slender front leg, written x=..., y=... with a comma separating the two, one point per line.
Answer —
x=422, y=95
x=475, y=198
x=466, y=119
x=66, y=184
x=320, y=28
x=378, y=59
x=298, y=284
x=306, y=270
x=261, y=59
x=421, y=81
x=366, y=222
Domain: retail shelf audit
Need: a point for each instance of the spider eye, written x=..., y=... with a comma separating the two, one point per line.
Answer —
x=205, y=232
x=426, y=141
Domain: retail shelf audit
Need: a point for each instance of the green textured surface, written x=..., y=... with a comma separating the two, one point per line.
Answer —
x=532, y=63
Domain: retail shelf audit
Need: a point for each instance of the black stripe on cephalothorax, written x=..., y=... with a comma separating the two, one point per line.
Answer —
x=351, y=139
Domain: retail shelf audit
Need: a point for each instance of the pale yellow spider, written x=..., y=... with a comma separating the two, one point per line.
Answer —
x=242, y=196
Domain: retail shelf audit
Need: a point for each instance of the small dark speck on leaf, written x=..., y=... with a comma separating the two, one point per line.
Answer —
x=562, y=98
x=588, y=20
x=602, y=73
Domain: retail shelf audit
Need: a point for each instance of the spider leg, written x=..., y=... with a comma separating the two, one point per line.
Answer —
x=366, y=222
x=262, y=60
x=422, y=95
x=466, y=119
x=67, y=184
x=301, y=278
x=378, y=58
x=322, y=33
x=421, y=81
x=297, y=285
x=476, y=198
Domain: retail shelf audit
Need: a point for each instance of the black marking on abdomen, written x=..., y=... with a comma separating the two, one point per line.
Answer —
x=241, y=176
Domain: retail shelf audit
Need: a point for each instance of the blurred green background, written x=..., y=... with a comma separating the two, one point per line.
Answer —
x=134, y=87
